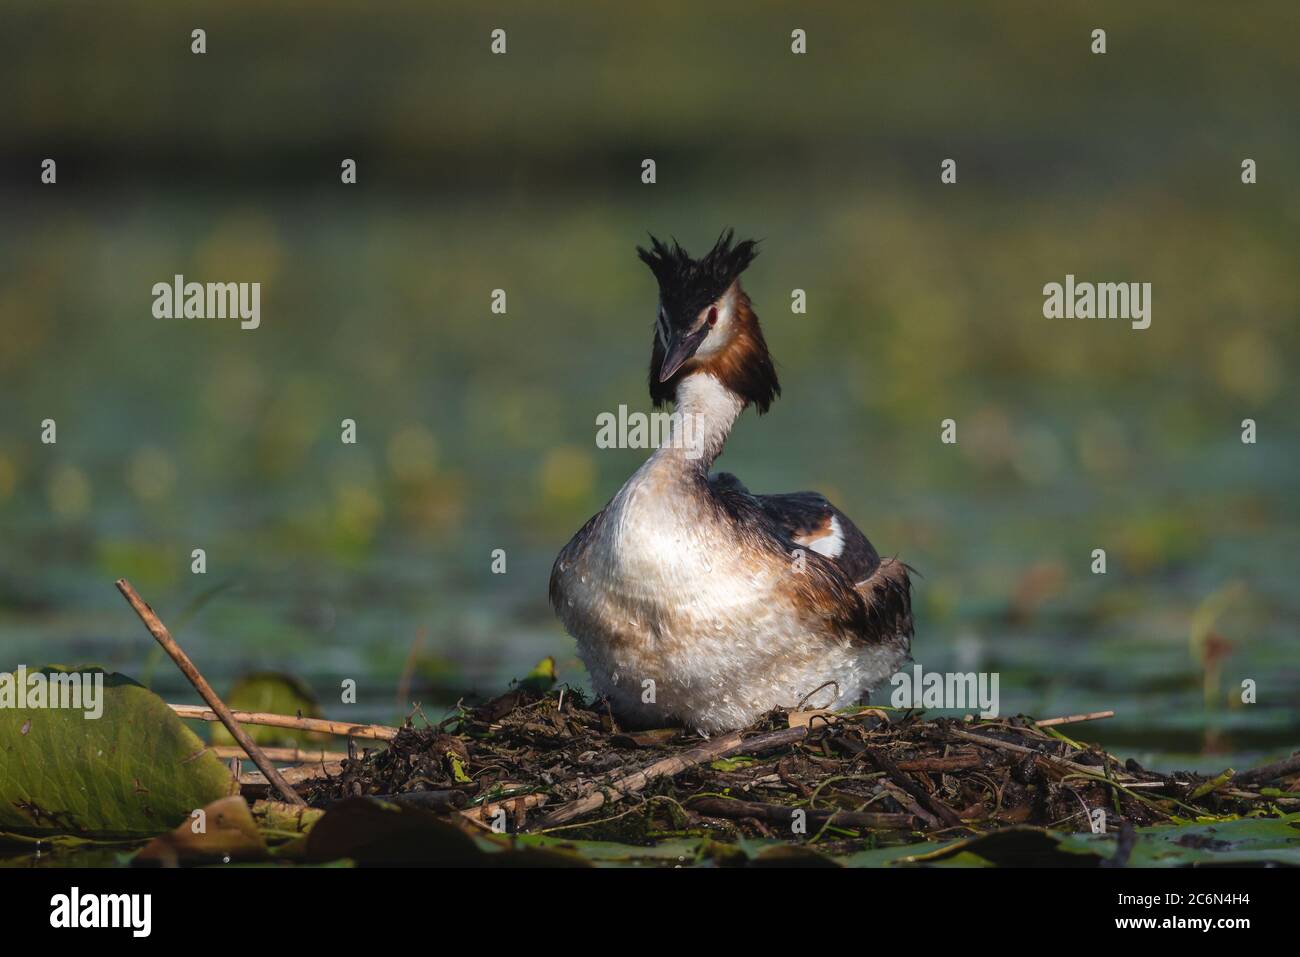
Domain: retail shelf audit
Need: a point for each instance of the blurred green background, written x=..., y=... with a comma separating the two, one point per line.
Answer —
x=477, y=431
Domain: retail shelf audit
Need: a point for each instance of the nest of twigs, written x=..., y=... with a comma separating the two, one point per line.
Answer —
x=551, y=762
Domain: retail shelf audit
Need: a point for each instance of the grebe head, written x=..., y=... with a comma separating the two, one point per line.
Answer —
x=705, y=323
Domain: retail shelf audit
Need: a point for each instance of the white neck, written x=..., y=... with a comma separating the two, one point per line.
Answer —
x=706, y=411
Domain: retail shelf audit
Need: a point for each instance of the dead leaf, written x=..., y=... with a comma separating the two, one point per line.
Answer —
x=229, y=834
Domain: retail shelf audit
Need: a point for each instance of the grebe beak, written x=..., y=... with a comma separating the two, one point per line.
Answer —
x=681, y=346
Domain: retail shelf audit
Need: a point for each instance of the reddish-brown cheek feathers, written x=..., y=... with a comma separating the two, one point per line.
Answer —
x=743, y=365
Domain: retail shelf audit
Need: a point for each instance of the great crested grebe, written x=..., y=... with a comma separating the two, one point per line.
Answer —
x=693, y=600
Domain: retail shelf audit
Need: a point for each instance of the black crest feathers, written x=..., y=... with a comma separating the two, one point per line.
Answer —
x=688, y=285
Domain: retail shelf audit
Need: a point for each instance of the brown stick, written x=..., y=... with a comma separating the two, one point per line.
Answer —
x=1021, y=749
x=287, y=755
x=164, y=638
x=1269, y=772
x=514, y=806
x=780, y=814
x=619, y=788
x=773, y=739
x=937, y=765
x=1074, y=718
x=374, y=731
x=924, y=797
x=300, y=774
x=631, y=783
x=909, y=802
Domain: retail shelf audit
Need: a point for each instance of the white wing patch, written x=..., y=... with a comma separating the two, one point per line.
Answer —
x=830, y=544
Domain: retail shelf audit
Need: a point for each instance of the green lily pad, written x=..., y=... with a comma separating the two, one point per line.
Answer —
x=1250, y=840
x=136, y=769
x=885, y=856
x=1254, y=840
x=791, y=855
x=1010, y=847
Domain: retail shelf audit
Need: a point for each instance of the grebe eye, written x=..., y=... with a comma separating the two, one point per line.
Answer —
x=713, y=315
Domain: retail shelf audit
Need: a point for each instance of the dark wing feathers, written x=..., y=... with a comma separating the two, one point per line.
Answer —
x=866, y=598
x=801, y=516
x=806, y=514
